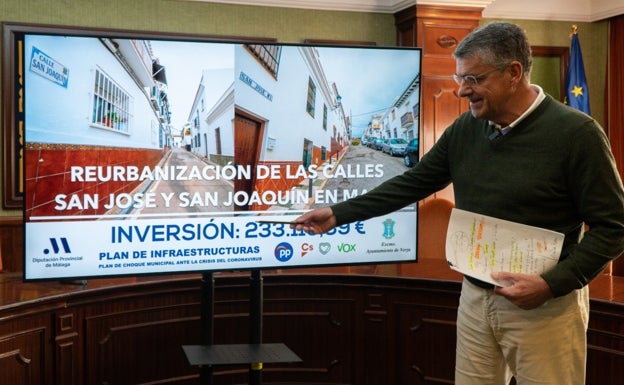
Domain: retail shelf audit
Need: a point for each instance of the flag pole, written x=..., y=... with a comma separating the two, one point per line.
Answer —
x=577, y=93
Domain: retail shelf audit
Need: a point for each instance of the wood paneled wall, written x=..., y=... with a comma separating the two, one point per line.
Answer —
x=437, y=30
x=347, y=329
x=615, y=101
x=11, y=243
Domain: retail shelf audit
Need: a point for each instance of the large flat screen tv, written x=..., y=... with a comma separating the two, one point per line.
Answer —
x=151, y=154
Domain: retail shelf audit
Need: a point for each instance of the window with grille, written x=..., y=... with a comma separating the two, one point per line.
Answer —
x=311, y=101
x=268, y=55
x=218, y=141
x=111, y=104
x=325, y=117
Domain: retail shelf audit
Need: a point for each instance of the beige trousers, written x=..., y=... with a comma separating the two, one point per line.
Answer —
x=497, y=340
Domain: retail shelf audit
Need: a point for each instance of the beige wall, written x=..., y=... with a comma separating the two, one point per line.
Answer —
x=593, y=38
x=286, y=25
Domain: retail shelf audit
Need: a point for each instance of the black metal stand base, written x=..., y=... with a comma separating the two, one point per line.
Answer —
x=200, y=355
x=255, y=354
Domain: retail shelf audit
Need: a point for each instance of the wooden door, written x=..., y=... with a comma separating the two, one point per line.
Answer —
x=247, y=134
x=440, y=106
x=438, y=31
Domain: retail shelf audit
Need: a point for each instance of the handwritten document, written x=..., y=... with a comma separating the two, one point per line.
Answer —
x=477, y=245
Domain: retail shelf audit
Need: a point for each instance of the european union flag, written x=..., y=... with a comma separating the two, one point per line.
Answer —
x=577, y=94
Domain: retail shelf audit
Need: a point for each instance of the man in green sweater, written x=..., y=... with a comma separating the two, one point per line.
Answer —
x=521, y=156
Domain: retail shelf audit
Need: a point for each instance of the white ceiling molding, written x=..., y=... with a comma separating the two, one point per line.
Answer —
x=457, y=3
x=556, y=10
x=381, y=6
x=602, y=9
x=539, y=10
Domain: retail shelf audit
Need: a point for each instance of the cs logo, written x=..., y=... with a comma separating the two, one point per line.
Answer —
x=305, y=248
x=283, y=252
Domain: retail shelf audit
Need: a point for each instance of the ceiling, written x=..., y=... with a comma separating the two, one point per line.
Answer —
x=559, y=10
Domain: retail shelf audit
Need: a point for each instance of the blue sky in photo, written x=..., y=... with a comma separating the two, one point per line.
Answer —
x=368, y=79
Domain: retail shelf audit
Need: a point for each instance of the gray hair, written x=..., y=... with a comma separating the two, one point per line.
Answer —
x=497, y=44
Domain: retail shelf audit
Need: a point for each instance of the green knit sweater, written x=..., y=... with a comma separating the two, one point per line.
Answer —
x=554, y=170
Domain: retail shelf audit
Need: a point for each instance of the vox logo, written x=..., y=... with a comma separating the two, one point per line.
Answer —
x=346, y=247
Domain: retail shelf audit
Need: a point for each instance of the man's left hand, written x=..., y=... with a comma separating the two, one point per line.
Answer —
x=527, y=291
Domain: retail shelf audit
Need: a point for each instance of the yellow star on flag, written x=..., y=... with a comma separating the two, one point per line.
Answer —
x=577, y=90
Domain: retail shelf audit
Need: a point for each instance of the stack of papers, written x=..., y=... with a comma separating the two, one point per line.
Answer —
x=478, y=245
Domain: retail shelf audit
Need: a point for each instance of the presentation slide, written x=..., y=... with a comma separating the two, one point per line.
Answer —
x=154, y=156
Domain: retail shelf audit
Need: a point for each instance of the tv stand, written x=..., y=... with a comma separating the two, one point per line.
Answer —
x=255, y=353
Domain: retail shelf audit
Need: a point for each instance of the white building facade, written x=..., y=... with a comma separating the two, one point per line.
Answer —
x=108, y=95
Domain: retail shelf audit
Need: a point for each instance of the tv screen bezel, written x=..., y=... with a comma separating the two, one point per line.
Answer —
x=14, y=117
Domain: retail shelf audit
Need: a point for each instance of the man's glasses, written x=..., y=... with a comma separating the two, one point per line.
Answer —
x=472, y=80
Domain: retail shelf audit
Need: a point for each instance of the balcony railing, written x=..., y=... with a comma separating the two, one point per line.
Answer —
x=407, y=119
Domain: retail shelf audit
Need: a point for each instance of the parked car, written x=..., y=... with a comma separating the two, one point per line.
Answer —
x=394, y=146
x=410, y=157
x=379, y=143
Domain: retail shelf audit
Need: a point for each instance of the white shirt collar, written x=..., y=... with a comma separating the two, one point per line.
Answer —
x=540, y=97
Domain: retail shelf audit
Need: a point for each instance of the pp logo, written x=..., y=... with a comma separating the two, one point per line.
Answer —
x=283, y=252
